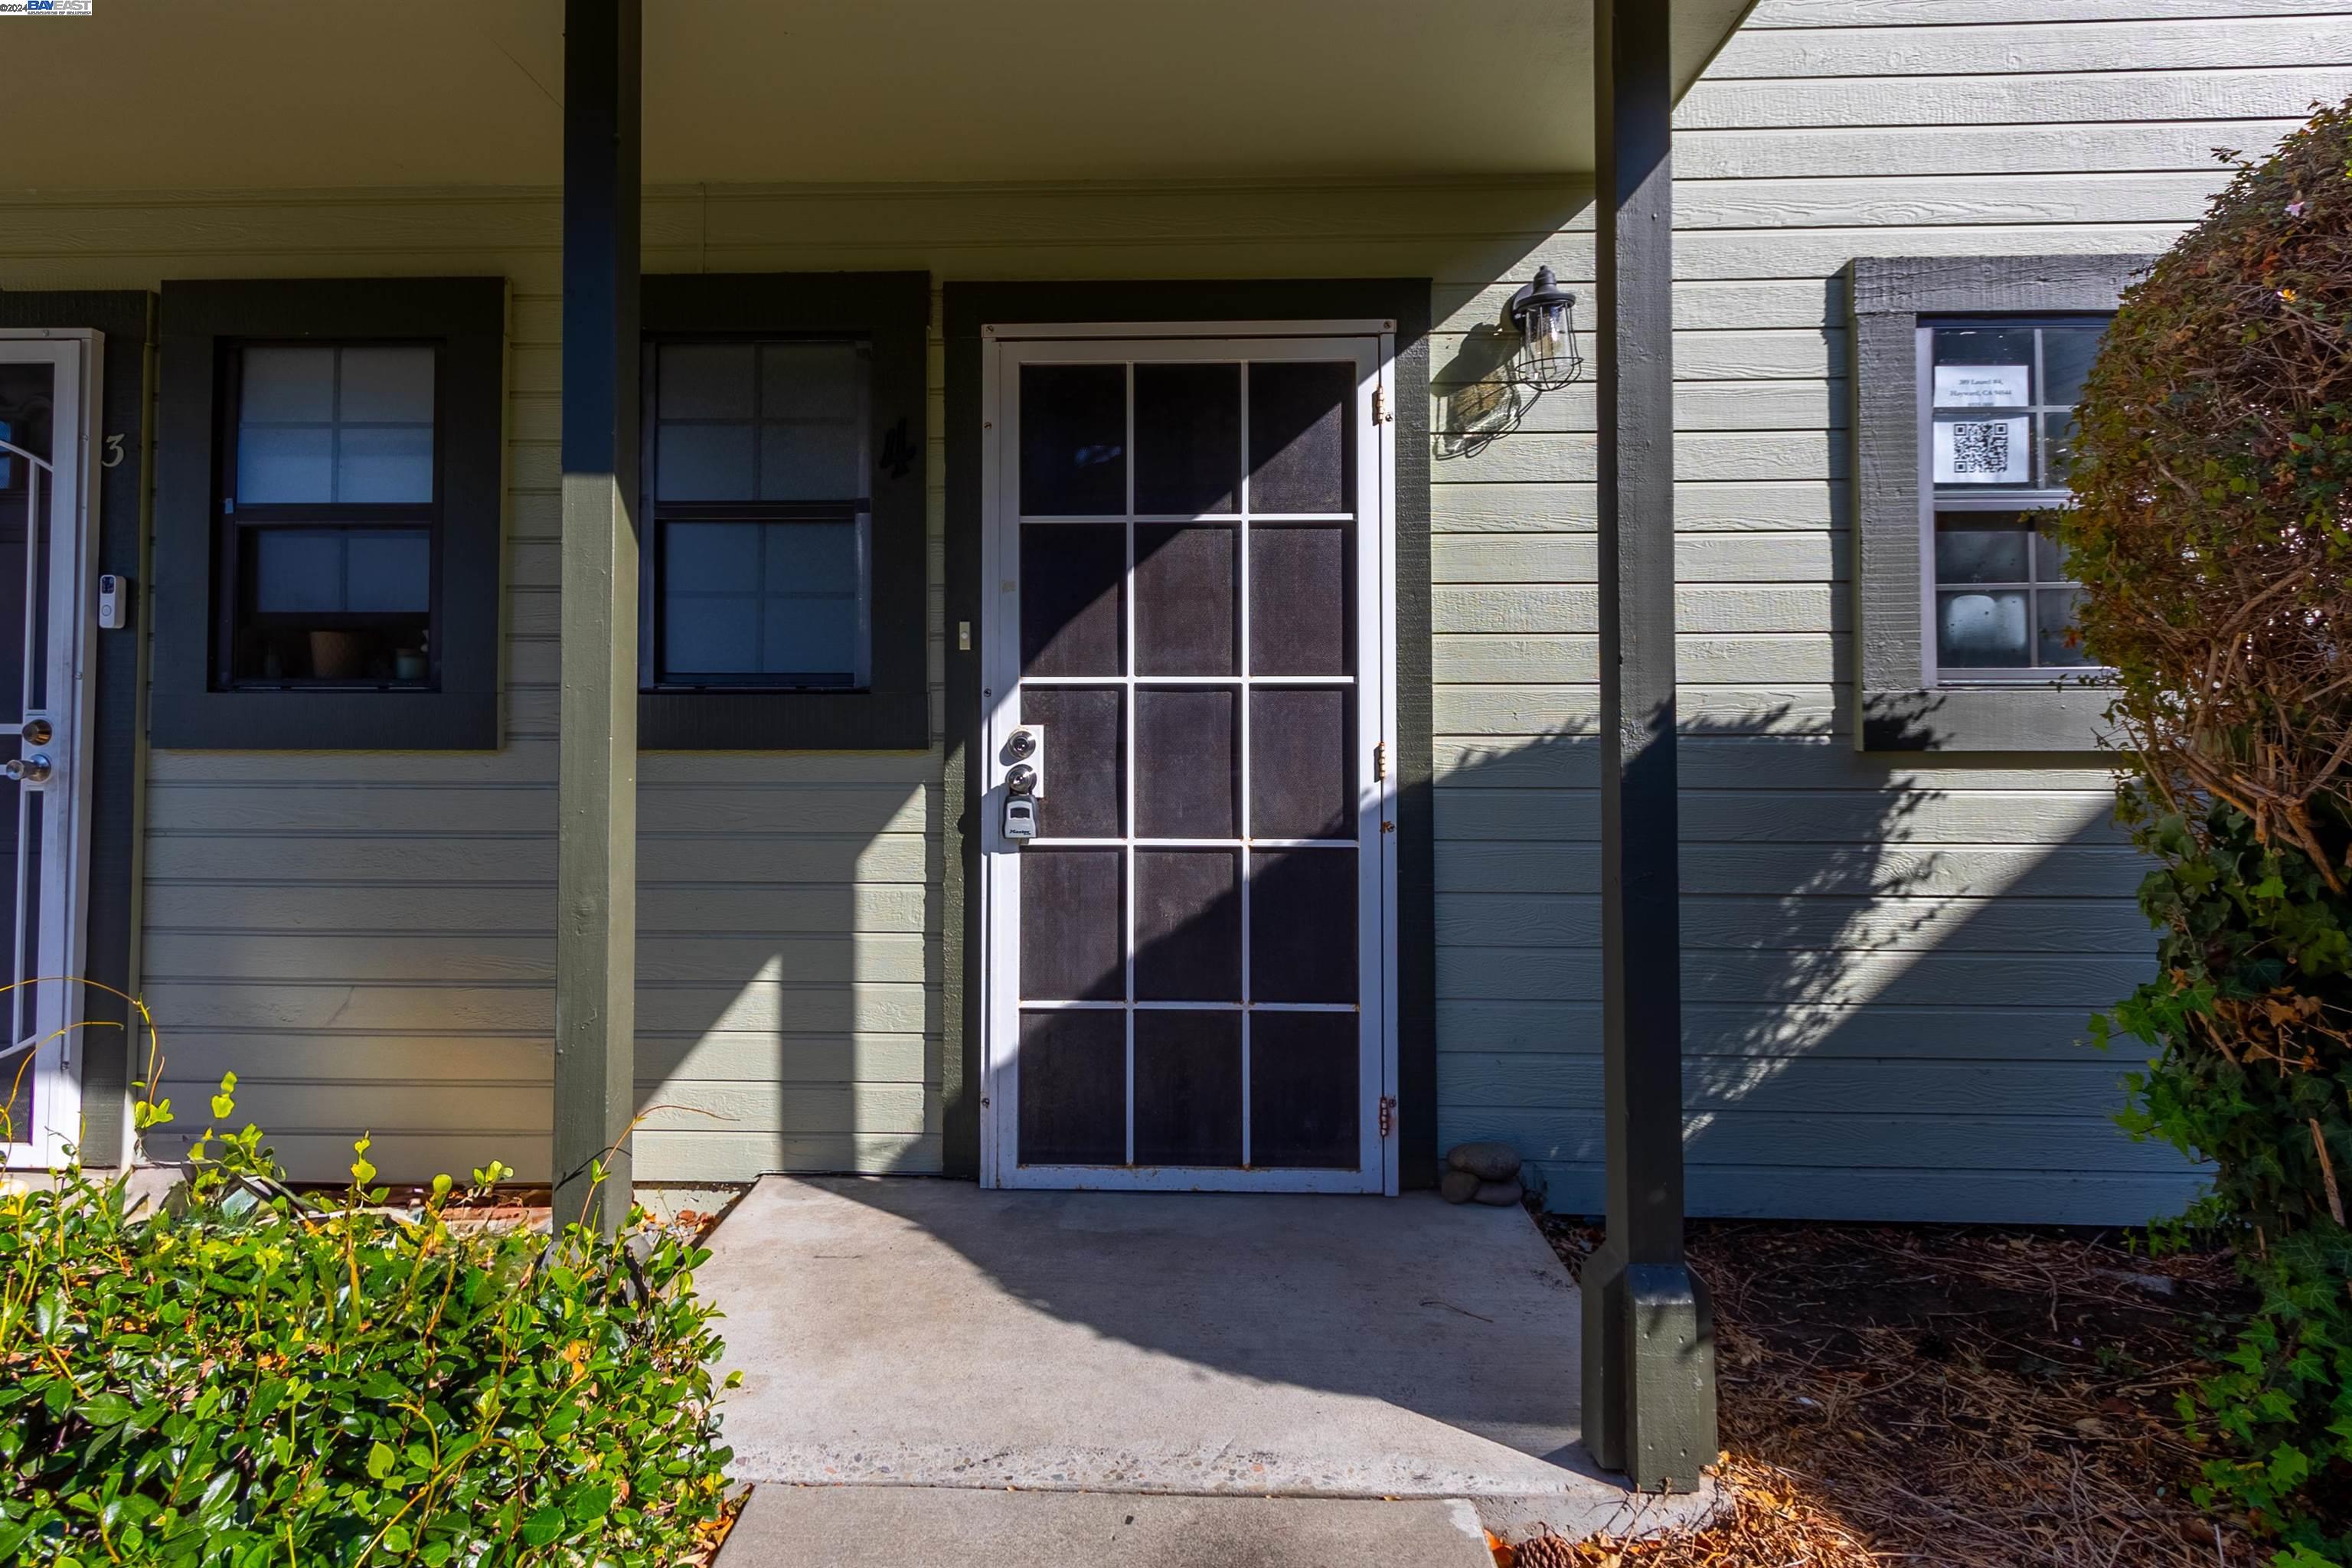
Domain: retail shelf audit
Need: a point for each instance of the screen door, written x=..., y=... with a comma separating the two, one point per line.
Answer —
x=1185, y=695
x=47, y=389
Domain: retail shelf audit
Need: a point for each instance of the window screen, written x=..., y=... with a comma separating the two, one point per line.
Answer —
x=1998, y=408
x=329, y=516
x=758, y=458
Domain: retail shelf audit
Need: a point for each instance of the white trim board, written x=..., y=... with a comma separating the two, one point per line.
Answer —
x=59, y=899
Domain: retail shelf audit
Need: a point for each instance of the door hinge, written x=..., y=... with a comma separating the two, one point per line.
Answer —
x=1388, y=1116
x=1379, y=762
x=1381, y=405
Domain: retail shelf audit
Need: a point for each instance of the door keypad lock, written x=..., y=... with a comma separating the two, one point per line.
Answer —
x=1024, y=781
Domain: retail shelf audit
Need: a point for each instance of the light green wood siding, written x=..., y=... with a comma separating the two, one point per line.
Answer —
x=366, y=940
x=1888, y=961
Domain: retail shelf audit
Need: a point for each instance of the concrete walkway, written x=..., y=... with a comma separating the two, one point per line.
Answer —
x=929, y=1334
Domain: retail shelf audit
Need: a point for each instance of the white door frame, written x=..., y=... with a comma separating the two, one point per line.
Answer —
x=68, y=483
x=1372, y=346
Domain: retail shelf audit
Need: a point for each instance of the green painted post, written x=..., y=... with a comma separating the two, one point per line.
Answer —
x=1649, y=1354
x=596, y=766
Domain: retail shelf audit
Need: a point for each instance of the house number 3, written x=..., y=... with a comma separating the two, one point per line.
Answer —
x=113, y=453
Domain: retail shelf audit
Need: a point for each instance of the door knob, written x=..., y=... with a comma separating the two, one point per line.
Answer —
x=1022, y=779
x=34, y=769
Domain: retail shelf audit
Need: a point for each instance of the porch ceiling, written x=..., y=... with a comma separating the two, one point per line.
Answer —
x=161, y=94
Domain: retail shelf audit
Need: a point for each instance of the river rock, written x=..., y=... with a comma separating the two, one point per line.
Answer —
x=1501, y=1195
x=1458, y=1186
x=1489, y=1161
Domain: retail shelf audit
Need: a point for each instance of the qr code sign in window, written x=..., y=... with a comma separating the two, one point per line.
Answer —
x=1980, y=447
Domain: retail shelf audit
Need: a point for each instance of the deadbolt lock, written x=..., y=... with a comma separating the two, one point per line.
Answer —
x=1023, y=743
x=38, y=732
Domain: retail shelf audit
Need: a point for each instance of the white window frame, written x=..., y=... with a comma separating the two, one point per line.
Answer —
x=1372, y=344
x=1991, y=500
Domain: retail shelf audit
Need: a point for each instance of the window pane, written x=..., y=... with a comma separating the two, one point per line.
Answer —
x=1072, y=439
x=276, y=464
x=813, y=638
x=751, y=599
x=811, y=461
x=1983, y=367
x=2055, y=614
x=811, y=380
x=1298, y=436
x=706, y=381
x=2066, y=356
x=704, y=462
x=288, y=384
x=1188, y=437
x=2050, y=563
x=2057, y=448
x=390, y=569
x=711, y=557
x=296, y=569
x=391, y=385
x=1991, y=550
x=811, y=558
x=384, y=463
x=1984, y=451
x=1982, y=631
x=708, y=634
x=318, y=425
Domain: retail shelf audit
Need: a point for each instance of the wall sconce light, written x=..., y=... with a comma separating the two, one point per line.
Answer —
x=1543, y=314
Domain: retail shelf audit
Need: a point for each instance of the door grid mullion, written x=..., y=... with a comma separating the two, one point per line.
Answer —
x=1242, y=806
x=1131, y=864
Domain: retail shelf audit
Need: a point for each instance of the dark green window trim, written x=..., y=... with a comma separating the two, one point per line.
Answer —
x=1404, y=300
x=201, y=322
x=1895, y=708
x=891, y=311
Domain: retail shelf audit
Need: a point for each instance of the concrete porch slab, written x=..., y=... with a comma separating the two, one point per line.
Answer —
x=915, y=1333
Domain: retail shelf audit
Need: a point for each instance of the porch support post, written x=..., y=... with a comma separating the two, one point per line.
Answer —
x=1649, y=1357
x=596, y=767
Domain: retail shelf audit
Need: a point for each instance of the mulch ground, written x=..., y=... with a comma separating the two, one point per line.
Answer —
x=1968, y=1398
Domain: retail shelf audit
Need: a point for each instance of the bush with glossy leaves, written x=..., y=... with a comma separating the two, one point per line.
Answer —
x=251, y=1377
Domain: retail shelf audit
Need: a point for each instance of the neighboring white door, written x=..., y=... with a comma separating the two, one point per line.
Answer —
x=1187, y=637
x=48, y=385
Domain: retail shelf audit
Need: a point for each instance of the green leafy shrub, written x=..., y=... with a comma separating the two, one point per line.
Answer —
x=2213, y=531
x=2251, y=1072
x=250, y=1378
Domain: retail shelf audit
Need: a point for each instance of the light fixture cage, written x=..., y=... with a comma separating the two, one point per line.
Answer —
x=1543, y=315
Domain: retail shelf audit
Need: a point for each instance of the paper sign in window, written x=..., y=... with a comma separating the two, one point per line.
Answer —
x=1982, y=386
x=1983, y=452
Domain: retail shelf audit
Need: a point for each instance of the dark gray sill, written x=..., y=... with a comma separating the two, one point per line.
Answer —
x=2007, y=718
x=329, y=720
x=723, y=721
